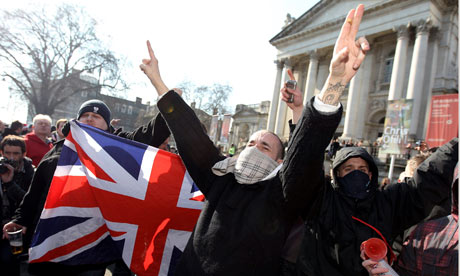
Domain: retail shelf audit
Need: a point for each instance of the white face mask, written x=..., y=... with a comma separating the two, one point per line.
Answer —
x=249, y=167
x=252, y=166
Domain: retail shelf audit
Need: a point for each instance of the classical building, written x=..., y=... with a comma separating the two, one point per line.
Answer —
x=413, y=55
x=247, y=120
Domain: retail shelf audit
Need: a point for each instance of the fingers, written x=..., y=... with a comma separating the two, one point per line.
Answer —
x=346, y=27
x=358, y=15
x=341, y=56
x=291, y=76
x=146, y=61
x=369, y=265
x=149, y=47
x=364, y=45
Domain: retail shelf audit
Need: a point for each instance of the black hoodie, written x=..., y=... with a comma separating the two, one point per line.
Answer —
x=331, y=245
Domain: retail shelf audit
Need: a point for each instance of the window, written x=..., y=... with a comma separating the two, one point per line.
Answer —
x=388, y=68
x=84, y=94
x=130, y=110
x=117, y=107
x=123, y=108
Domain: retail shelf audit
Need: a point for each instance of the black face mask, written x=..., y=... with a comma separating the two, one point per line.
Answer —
x=355, y=184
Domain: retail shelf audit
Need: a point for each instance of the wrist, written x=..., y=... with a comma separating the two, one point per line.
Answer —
x=160, y=87
x=332, y=90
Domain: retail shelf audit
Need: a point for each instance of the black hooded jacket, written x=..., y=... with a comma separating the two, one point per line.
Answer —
x=331, y=244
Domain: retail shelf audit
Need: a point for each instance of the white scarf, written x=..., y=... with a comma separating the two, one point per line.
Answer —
x=249, y=167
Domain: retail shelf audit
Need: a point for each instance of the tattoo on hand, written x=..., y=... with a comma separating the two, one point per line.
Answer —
x=333, y=93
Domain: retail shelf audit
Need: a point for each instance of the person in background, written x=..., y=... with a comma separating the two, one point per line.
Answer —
x=384, y=183
x=412, y=165
x=97, y=114
x=231, y=150
x=14, y=182
x=431, y=249
x=14, y=129
x=57, y=134
x=37, y=142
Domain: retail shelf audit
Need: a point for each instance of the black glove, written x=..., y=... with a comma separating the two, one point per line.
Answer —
x=66, y=128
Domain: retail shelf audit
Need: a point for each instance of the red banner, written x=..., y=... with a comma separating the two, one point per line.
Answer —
x=443, y=121
x=225, y=128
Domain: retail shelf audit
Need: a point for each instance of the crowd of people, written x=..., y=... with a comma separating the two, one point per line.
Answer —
x=268, y=210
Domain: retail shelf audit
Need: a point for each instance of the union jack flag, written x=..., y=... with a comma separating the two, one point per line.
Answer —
x=111, y=197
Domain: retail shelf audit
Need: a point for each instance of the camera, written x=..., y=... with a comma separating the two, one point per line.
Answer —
x=292, y=84
x=3, y=162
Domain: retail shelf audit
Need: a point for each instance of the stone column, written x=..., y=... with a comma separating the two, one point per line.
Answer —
x=275, y=98
x=353, y=106
x=282, y=107
x=435, y=36
x=399, y=63
x=321, y=77
x=310, y=86
x=366, y=67
x=417, y=73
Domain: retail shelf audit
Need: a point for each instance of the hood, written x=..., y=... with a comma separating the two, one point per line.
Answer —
x=346, y=153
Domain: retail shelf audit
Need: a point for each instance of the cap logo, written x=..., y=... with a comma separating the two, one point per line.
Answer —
x=95, y=109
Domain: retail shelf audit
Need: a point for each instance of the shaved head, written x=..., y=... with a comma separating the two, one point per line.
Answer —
x=268, y=143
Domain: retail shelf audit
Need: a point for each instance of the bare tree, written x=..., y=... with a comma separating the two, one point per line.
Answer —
x=208, y=98
x=218, y=96
x=46, y=56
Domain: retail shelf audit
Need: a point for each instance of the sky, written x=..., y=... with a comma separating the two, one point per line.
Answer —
x=201, y=41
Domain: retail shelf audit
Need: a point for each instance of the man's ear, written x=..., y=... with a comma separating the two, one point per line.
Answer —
x=370, y=175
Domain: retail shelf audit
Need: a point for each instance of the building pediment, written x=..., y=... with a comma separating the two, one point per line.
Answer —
x=323, y=13
x=245, y=113
x=319, y=27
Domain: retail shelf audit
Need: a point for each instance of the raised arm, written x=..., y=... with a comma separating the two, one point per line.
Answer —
x=347, y=57
x=302, y=173
x=430, y=186
x=195, y=148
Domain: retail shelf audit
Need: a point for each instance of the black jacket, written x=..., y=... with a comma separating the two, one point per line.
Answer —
x=15, y=190
x=331, y=245
x=242, y=228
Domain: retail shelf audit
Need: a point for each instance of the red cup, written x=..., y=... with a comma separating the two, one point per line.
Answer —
x=374, y=248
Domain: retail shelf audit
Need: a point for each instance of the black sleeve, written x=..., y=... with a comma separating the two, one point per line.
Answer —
x=430, y=187
x=14, y=191
x=302, y=173
x=195, y=148
x=153, y=134
x=28, y=212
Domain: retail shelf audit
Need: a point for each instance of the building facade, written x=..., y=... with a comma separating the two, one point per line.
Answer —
x=247, y=120
x=413, y=55
x=125, y=110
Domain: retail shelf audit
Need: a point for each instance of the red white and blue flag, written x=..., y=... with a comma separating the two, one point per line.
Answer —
x=113, y=198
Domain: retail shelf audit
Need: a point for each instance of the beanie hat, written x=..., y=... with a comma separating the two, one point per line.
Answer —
x=98, y=107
